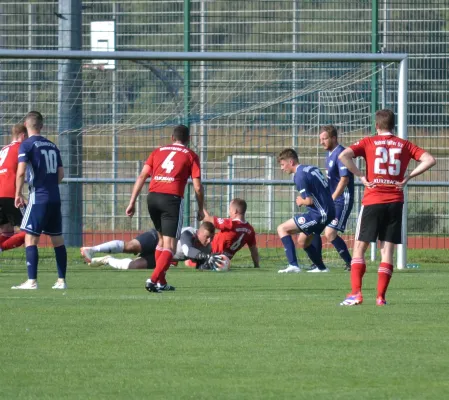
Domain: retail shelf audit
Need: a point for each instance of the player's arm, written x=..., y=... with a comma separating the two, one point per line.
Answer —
x=60, y=174
x=347, y=158
x=188, y=248
x=426, y=161
x=255, y=255
x=344, y=181
x=307, y=201
x=20, y=181
x=208, y=217
x=144, y=174
x=199, y=193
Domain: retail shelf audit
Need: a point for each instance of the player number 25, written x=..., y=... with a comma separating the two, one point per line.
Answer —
x=387, y=156
x=51, y=160
x=168, y=164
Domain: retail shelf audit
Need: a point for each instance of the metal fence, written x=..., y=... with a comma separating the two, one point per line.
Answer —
x=235, y=109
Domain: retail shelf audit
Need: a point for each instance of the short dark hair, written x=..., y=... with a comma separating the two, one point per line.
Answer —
x=181, y=133
x=34, y=120
x=330, y=129
x=17, y=129
x=288, y=154
x=385, y=120
x=240, y=205
x=208, y=226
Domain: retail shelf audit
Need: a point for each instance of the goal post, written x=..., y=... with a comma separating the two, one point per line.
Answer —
x=246, y=100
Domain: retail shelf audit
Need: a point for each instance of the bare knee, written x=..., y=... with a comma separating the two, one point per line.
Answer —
x=359, y=249
x=133, y=246
x=330, y=234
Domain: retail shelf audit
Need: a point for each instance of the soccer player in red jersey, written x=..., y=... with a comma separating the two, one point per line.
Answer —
x=169, y=167
x=380, y=218
x=10, y=216
x=234, y=233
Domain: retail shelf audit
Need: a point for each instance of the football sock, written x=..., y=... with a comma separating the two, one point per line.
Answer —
x=358, y=268
x=32, y=258
x=315, y=256
x=14, y=241
x=383, y=278
x=290, y=250
x=114, y=246
x=119, y=263
x=162, y=264
x=162, y=279
x=317, y=243
x=158, y=252
x=61, y=261
x=342, y=249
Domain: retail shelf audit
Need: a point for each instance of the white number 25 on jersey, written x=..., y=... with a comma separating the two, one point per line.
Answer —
x=386, y=158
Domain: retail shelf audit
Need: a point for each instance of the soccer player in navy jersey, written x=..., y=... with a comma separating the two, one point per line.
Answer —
x=341, y=185
x=314, y=193
x=40, y=159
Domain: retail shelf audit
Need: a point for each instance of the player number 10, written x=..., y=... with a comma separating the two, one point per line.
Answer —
x=387, y=156
x=51, y=160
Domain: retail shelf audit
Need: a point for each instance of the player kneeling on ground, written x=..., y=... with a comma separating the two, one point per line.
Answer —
x=194, y=244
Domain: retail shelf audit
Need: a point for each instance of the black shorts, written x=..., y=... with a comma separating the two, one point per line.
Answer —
x=9, y=213
x=380, y=221
x=166, y=212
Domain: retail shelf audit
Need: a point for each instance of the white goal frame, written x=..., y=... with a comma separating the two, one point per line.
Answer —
x=400, y=58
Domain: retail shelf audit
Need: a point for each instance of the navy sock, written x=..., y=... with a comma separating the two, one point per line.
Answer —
x=315, y=256
x=61, y=261
x=342, y=249
x=318, y=244
x=290, y=250
x=32, y=257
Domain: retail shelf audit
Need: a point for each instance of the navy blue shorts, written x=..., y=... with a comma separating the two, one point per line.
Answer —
x=342, y=213
x=42, y=218
x=310, y=223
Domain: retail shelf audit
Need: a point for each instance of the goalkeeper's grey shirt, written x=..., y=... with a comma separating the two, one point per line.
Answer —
x=189, y=246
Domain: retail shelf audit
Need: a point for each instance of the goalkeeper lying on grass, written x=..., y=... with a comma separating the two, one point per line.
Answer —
x=194, y=244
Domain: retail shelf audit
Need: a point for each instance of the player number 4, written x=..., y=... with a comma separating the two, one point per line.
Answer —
x=168, y=164
x=237, y=243
x=387, y=156
x=3, y=155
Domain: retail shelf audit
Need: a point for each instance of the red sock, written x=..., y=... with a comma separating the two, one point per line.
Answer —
x=5, y=236
x=14, y=241
x=358, y=268
x=158, y=252
x=162, y=264
x=383, y=278
x=162, y=279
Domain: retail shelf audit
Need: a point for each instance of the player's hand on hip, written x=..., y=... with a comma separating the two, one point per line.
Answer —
x=200, y=216
x=401, y=185
x=299, y=201
x=19, y=202
x=367, y=184
x=130, y=210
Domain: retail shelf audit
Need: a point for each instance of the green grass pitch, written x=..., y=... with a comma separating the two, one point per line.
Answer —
x=245, y=334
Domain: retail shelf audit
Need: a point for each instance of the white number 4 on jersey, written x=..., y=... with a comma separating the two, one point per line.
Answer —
x=168, y=164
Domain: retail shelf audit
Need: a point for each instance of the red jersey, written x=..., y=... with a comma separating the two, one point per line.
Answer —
x=8, y=169
x=170, y=168
x=387, y=158
x=233, y=236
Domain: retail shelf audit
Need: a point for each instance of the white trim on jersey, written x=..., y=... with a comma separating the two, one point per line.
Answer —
x=359, y=222
x=320, y=208
x=31, y=201
x=347, y=198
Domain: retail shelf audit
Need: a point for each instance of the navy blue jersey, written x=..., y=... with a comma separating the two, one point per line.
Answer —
x=43, y=160
x=310, y=182
x=335, y=170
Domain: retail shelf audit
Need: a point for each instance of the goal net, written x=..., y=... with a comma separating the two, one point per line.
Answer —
x=241, y=115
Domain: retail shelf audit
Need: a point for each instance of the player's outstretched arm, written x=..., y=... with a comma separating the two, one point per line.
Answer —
x=255, y=256
x=208, y=217
x=145, y=173
x=199, y=193
x=20, y=180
